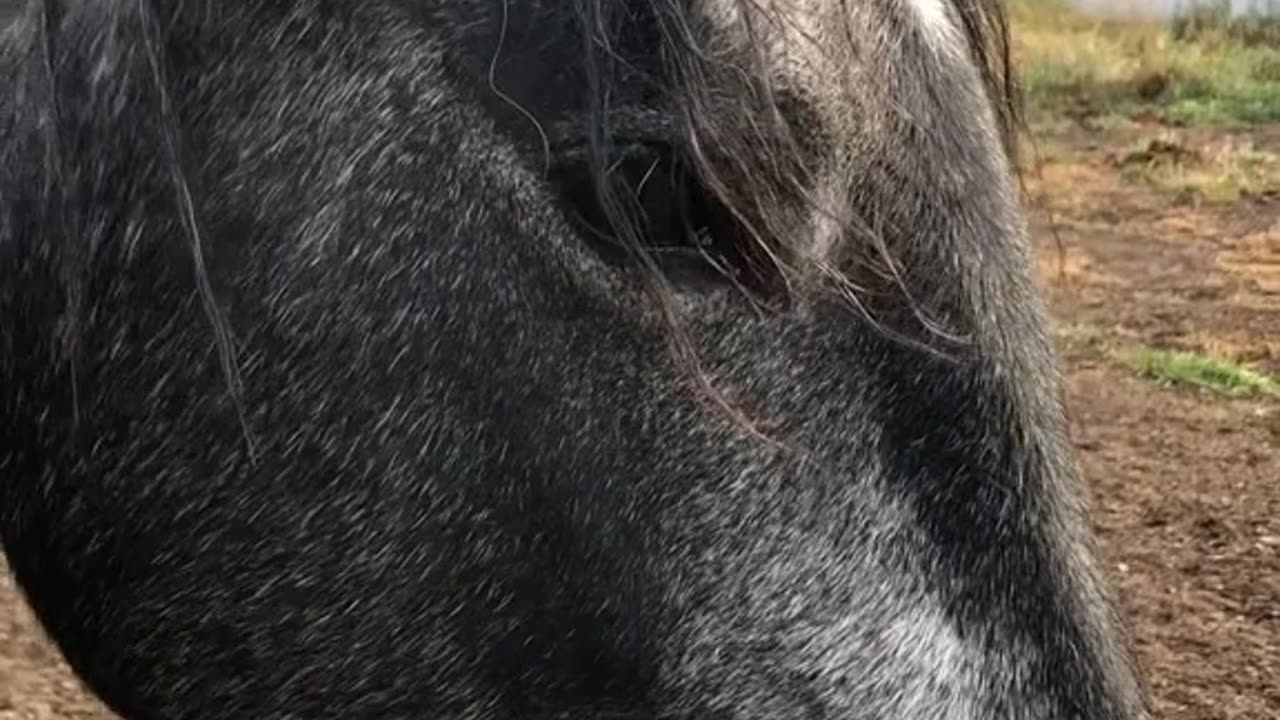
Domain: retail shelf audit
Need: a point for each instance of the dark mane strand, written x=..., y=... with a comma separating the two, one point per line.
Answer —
x=65, y=177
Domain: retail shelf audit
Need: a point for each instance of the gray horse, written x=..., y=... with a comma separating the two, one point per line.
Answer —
x=470, y=359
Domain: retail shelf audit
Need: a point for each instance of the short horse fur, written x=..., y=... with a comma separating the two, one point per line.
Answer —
x=469, y=359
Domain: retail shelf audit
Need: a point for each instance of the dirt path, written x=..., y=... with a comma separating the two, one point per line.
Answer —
x=1186, y=485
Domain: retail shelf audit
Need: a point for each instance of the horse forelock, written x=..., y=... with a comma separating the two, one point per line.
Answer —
x=780, y=106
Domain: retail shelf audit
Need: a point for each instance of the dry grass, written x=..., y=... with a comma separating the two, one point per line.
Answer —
x=1220, y=171
x=1208, y=73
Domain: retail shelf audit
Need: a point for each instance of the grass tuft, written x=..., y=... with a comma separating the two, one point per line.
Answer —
x=1208, y=371
x=1190, y=369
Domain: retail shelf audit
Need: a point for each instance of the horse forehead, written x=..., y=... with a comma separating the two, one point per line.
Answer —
x=810, y=41
x=937, y=23
x=930, y=12
x=832, y=51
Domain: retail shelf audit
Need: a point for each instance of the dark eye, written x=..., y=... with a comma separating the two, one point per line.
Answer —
x=693, y=238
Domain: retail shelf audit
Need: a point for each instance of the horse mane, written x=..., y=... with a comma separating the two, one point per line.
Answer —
x=986, y=27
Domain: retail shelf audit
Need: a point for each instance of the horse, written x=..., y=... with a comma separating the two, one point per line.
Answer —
x=538, y=359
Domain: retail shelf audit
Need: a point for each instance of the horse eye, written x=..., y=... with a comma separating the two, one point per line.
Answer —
x=673, y=218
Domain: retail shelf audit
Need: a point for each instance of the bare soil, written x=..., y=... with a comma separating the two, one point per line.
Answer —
x=1185, y=484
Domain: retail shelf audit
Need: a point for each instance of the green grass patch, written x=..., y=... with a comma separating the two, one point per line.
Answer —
x=1212, y=72
x=1190, y=369
x=1174, y=368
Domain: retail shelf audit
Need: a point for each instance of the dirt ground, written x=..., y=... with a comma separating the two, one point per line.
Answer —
x=1185, y=485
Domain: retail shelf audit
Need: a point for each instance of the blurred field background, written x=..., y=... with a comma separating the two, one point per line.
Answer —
x=1152, y=167
x=1153, y=172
